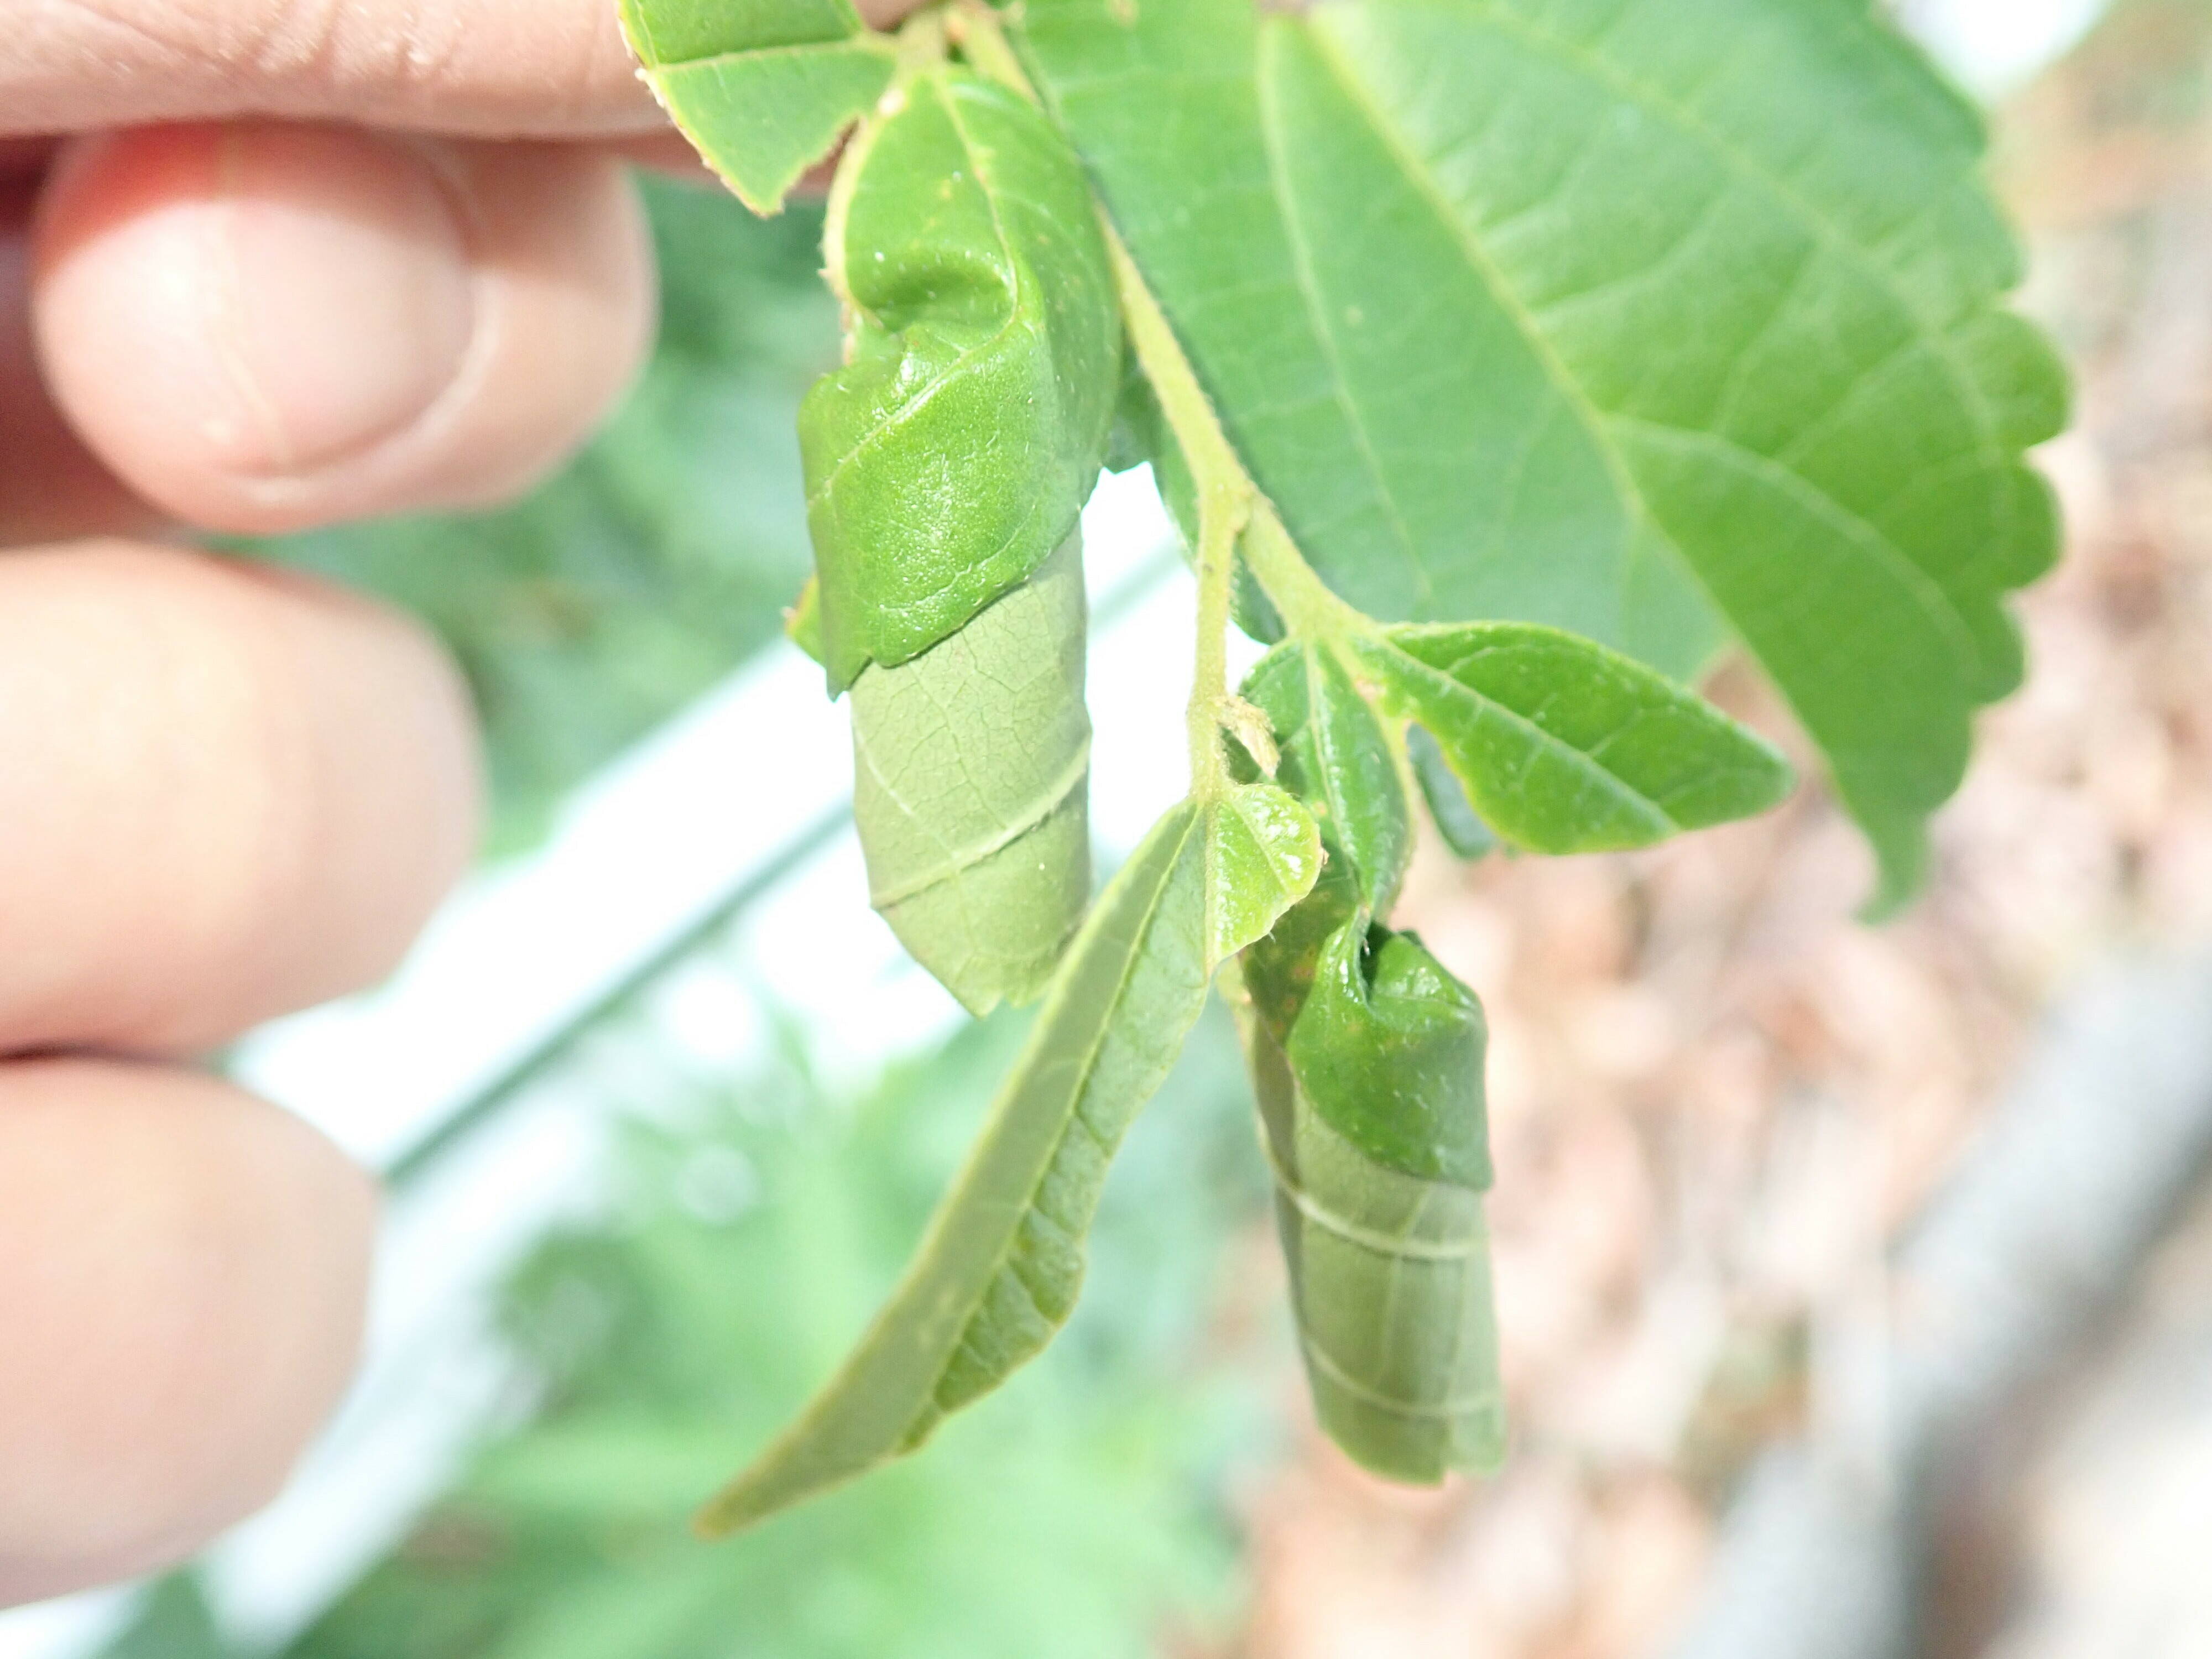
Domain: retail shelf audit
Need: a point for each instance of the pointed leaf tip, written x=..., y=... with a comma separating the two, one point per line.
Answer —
x=997, y=1273
x=1564, y=746
x=1266, y=853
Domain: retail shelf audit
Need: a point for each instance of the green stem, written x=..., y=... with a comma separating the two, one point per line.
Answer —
x=1230, y=504
x=1309, y=606
x=974, y=28
x=1225, y=500
x=922, y=40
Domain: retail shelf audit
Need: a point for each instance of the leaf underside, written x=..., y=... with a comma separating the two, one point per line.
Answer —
x=971, y=766
x=998, y=1273
x=1564, y=746
x=1689, y=321
x=1367, y=1059
x=1461, y=826
x=1336, y=756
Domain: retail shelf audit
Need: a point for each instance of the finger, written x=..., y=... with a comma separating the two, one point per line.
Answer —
x=51, y=487
x=224, y=794
x=182, y=1276
x=266, y=327
x=24, y=158
x=489, y=67
x=496, y=68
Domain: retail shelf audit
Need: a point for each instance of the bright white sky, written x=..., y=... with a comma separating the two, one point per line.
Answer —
x=1994, y=45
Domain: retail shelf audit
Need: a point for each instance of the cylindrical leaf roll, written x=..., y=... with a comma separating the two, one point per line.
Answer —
x=1374, y=1121
x=1390, y=1048
x=947, y=462
x=1334, y=754
x=971, y=768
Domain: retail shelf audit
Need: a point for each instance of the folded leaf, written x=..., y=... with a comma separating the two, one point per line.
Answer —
x=970, y=767
x=998, y=1272
x=1390, y=1049
x=1335, y=757
x=761, y=87
x=1564, y=746
x=1374, y=1123
x=1631, y=318
x=952, y=454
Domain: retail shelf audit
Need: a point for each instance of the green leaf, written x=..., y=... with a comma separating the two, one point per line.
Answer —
x=951, y=456
x=1336, y=757
x=174, y=1621
x=1629, y=318
x=1252, y=611
x=971, y=767
x=1564, y=746
x=1374, y=1123
x=999, y=1271
x=1390, y=1049
x=761, y=87
x=1453, y=814
x=1138, y=434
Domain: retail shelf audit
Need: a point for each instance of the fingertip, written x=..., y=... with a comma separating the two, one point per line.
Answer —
x=183, y=1276
x=264, y=326
x=225, y=793
x=52, y=488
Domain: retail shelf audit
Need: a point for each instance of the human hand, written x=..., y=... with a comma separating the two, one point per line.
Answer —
x=264, y=265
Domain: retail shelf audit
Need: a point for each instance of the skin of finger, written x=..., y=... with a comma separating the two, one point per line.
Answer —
x=493, y=69
x=486, y=68
x=183, y=1274
x=51, y=486
x=24, y=158
x=225, y=794
x=269, y=327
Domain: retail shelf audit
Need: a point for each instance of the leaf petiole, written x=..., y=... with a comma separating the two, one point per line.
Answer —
x=1227, y=498
x=923, y=39
x=1308, y=605
x=1226, y=501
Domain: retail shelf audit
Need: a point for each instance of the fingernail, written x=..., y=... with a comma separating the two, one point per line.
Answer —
x=345, y=301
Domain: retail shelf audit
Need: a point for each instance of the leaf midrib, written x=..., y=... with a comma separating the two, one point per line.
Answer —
x=1001, y=1262
x=1324, y=325
x=1581, y=760
x=1486, y=271
x=1582, y=61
